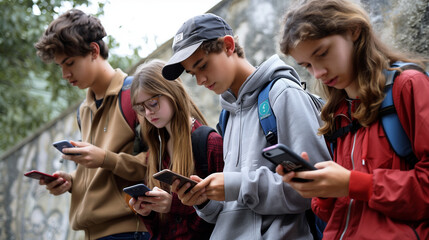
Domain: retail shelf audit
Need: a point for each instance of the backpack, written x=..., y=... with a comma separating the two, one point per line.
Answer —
x=392, y=127
x=130, y=116
x=199, y=148
x=268, y=122
x=267, y=119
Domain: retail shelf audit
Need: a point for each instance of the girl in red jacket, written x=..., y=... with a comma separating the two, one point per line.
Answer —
x=367, y=191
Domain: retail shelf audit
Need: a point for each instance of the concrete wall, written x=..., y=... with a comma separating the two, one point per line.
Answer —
x=27, y=211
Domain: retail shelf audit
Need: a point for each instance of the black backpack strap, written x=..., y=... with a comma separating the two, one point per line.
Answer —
x=352, y=127
x=139, y=144
x=199, y=147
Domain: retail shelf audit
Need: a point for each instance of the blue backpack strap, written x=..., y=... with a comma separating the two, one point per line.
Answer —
x=392, y=127
x=221, y=125
x=266, y=116
x=267, y=119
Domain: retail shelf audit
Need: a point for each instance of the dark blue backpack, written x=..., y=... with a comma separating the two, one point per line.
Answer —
x=267, y=119
x=392, y=127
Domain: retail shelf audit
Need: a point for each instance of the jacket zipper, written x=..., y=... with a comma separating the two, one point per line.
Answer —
x=351, y=200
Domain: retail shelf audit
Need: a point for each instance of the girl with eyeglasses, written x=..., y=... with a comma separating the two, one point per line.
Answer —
x=168, y=116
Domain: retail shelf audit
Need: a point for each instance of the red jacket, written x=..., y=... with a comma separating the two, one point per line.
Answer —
x=387, y=199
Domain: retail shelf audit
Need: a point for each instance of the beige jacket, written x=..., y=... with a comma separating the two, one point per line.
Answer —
x=98, y=203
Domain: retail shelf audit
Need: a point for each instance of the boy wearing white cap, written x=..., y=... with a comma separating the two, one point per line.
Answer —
x=248, y=199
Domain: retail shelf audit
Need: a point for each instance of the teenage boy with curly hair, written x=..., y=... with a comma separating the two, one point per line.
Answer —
x=74, y=41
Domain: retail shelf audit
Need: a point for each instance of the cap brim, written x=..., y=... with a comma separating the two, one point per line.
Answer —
x=173, y=69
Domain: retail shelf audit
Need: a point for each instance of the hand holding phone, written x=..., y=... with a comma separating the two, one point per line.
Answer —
x=64, y=144
x=40, y=175
x=281, y=154
x=168, y=176
x=137, y=190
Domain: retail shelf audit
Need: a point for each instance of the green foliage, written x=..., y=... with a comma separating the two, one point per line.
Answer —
x=32, y=92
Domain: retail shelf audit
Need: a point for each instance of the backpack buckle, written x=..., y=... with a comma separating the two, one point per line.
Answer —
x=271, y=137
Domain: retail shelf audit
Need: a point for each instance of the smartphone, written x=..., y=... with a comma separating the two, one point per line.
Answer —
x=137, y=190
x=168, y=176
x=40, y=175
x=281, y=154
x=64, y=144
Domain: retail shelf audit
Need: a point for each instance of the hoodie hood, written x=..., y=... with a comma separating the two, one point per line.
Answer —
x=249, y=91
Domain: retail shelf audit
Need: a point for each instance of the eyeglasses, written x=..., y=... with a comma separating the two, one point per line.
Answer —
x=152, y=104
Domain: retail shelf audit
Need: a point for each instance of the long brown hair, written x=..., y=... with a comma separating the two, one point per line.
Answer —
x=316, y=19
x=149, y=79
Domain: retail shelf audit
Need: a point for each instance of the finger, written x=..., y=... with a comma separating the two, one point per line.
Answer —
x=42, y=182
x=196, y=178
x=175, y=186
x=79, y=144
x=148, y=206
x=181, y=192
x=324, y=164
x=288, y=177
x=136, y=206
x=55, y=183
x=305, y=156
x=61, y=174
x=311, y=175
x=59, y=189
x=149, y=200
x=279, y=170
x=198, y=196
x=307, y=190
x=200, y=186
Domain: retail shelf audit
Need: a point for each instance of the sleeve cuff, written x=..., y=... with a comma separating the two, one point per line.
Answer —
x=232, y=184
x=360, y=185
x=109, y=161
x=323, y=203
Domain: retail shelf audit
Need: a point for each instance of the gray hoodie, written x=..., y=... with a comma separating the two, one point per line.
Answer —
x=258, y=205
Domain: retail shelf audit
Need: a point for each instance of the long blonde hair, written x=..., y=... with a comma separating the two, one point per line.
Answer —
x=149, y=79
x=316, y=19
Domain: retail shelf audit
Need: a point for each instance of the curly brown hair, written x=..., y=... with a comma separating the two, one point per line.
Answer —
x=71, y=34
